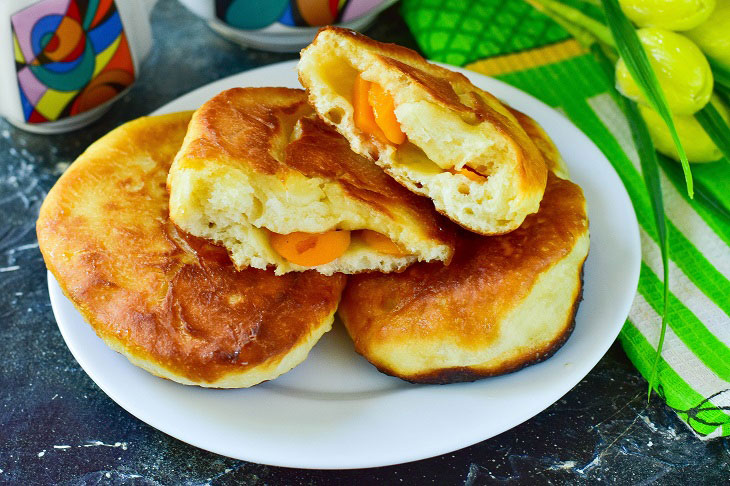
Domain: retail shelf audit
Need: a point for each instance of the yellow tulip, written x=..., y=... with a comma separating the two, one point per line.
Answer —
x=682, y=70
x=696, y=142
x=668, y=14
x=713, y=35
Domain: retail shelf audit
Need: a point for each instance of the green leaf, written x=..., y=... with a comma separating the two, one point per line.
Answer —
x=607, y=65
x=650, y=171
x=720, y=74
x=715, y=127
x=702, y=193
x=723, y=92
x=633, y=53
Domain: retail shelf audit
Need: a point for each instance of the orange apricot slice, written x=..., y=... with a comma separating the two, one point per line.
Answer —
x=364, y=117
x=470, y=174
x=380, y=242
x=384, y=109
x=310, y=249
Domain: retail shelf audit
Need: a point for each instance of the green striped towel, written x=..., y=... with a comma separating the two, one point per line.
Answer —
x=530, y=52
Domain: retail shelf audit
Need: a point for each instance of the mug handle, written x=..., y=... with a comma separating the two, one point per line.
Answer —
x=203, y=9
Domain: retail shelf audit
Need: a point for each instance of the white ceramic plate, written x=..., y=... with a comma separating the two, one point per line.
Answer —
x=335, y=410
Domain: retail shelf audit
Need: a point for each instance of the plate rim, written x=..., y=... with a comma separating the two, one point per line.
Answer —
x=559, y=390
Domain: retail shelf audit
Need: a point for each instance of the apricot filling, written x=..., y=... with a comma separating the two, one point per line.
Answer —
x=375, y=112
x=311, y=249
x=469, y=174
x=381, y=243
x=375, y=115
x=364, y=116
x=384, y=110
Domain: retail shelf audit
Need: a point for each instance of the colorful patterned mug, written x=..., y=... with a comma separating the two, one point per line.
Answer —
x=66, y=61
x=283, y=25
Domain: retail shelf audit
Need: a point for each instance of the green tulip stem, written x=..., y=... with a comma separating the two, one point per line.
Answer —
x=715, y=127
x=582, y=36
x=575, y=17
x=721, y=75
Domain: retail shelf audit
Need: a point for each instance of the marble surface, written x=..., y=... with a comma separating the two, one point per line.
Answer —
x=58, y=427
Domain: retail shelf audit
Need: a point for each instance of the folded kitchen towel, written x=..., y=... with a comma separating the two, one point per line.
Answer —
x=515, y=43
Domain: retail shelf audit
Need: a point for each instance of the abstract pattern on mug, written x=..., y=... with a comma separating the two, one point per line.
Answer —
x=70, y=56
x=257, y=14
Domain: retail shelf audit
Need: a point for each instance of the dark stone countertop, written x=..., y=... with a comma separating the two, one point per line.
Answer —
x=602, y=431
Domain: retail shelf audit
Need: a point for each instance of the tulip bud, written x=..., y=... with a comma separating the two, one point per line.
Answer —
x=696, y=143
x=713, y=35
x=668, y=14
x=682, y=70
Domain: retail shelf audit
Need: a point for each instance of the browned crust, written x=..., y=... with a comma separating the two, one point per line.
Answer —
x=253, y=128
x=462, y=374
x=464, y=304
x=246, y=128
x=439, y=88
x=166, y=298
x=444, y=86
x=544, y=144
x=391, y=50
